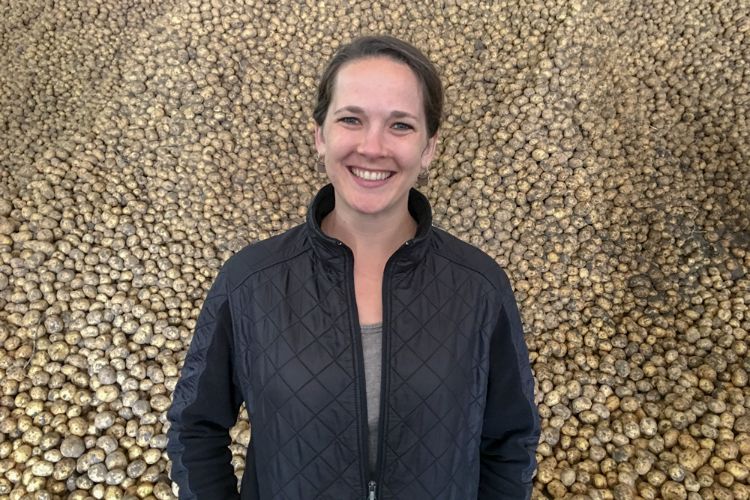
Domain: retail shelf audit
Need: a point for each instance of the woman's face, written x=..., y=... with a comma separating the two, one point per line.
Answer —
x=374, y=138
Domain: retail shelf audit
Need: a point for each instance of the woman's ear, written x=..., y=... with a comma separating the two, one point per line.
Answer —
x=320, y=143
x=429, y=150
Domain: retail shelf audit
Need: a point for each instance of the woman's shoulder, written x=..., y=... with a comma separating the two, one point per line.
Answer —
x=260, y=255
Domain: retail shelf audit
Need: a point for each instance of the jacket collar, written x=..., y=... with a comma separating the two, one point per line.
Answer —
x=328, y=248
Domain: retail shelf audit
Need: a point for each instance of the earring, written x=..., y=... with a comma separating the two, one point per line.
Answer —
x=424, y=177
x=320, y=165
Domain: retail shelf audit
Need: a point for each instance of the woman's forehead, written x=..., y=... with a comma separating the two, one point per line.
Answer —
x=378, y=81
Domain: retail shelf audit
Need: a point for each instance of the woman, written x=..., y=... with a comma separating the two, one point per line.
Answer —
x=378, y=356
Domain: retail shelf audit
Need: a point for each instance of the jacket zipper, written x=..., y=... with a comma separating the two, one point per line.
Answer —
x=371, y=490
x=360, y=369
x=384, y=369
x=385, y=378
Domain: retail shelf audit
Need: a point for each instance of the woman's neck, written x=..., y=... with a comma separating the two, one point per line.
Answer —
x=370, y=236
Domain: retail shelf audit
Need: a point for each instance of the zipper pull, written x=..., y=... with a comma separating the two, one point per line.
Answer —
x=371, y=490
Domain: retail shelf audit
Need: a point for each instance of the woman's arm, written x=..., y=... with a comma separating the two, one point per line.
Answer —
x=511, y=423
x=205, y=404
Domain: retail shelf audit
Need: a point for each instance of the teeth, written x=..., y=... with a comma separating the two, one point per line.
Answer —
x=369, y=175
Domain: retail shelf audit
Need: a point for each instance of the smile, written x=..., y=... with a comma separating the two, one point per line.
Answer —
x=370, y=175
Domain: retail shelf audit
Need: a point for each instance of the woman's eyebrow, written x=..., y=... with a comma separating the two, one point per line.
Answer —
x=350, y=109
x=358, y=110
x=403, y=114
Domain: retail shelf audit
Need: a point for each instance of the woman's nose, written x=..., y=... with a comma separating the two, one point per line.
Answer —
x=371, y=143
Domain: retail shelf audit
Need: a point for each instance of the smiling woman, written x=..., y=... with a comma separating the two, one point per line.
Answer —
x=378, y=356
x=375, y=143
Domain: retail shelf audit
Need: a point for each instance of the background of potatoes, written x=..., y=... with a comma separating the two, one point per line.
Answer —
x=597, y=149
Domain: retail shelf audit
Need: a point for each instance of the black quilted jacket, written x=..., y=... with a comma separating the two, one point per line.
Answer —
x=279, y=331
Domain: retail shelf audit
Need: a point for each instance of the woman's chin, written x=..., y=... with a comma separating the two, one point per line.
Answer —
x=370, y=204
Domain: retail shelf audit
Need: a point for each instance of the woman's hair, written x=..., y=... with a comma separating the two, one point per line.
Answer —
x=398, y=50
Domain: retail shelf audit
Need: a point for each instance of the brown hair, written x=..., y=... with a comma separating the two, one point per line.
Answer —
x=385, y=46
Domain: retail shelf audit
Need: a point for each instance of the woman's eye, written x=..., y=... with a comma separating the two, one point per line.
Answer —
x=350, y=120
x=402, y=126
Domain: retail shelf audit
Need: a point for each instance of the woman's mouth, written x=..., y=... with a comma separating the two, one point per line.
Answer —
x=370, y=175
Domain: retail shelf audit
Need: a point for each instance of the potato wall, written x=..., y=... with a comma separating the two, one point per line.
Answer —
x=598, y=150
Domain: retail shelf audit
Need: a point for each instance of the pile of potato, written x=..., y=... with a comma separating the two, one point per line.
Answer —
x=597, y=150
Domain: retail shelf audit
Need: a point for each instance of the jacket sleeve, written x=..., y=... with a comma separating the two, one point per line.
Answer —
x=510, y=432
x=205, y=404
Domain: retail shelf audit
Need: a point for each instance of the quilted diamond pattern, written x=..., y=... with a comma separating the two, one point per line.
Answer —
x=301, y=371
x=305, y=397
x=435, y=345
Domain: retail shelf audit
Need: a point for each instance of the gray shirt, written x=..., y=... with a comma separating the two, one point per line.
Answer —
x=372, y=336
